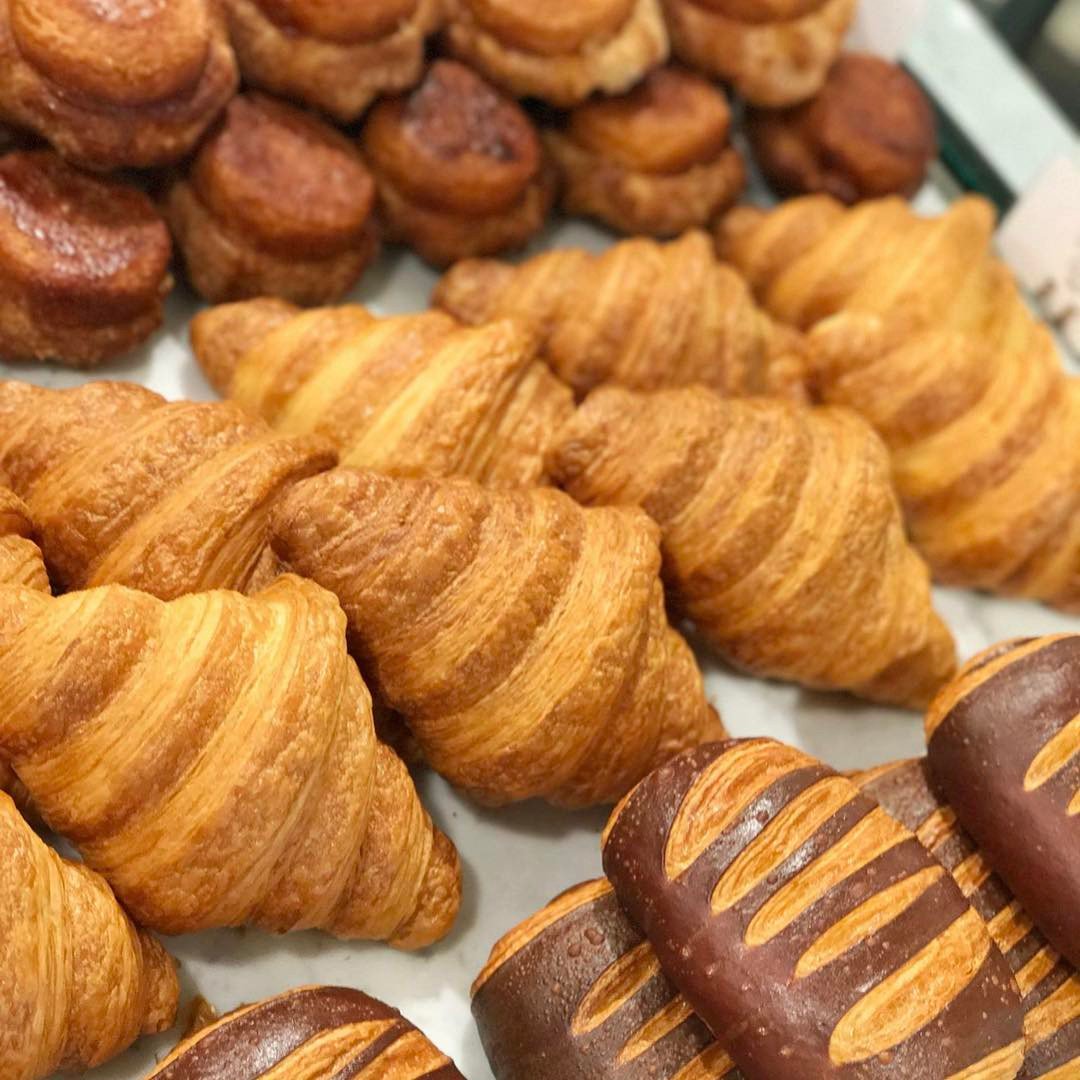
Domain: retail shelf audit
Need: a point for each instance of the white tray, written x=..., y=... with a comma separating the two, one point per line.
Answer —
x=514, y=860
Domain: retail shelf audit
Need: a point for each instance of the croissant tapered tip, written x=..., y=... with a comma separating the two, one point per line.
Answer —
x=162, y=985
x=439, y=900
x=467, y=290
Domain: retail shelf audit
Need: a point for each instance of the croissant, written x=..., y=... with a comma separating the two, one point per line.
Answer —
x=113, y=85
x=656, y=161
x=642, y=314
x=336, y=57
x=782, y=537
x=166, y=497
x=276, y=203
x=252, y=788
x=84, y=263
x=773, y=52
x=459, y=168
x=1049, y=984
x=20, y=557
x=522, y=638
x=923, y=331
x=78, y=982
x=413, y=395
x=558, y=53
x=315, y=1032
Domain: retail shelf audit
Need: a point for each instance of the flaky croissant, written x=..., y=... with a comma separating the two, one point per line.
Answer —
x=523, y=639
x=413, y=395
x=218, y=764
x=782, y=537
x=642, y=314
x=917, y=326
x=20, y=557
x=78, y=982
x=126, y=488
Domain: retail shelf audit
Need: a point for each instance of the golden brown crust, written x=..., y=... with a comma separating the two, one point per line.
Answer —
x=923, y=331
x=642, y=314
x=111, y=86
x=782, y=538
x=459, y=167
x=870, y=132
x=656, y=161
x=83, y=263
x=336, y=57
x=523, y=638
x=167, y=497
x=774, y=54
x=20, y=557
x=253, y=789
x=559, y=54
x=276, y=203
x=79, y=983
x=416, y=395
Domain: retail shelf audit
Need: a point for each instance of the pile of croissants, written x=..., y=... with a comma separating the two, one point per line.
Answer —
x=473, y=538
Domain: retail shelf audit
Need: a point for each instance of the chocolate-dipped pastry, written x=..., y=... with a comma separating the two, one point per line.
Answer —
x=1004, y=749
x=870, y=132
x=276, y=203
x=576, y=992
x=810, y=930
x=1049, y=984
x=337, y=57
x=316, y=1032
x=558, y=52
x=657, y=160
x=83, y=263
x=115, y=84
x=459, y=168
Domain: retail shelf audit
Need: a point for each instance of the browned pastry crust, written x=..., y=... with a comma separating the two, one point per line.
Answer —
x=337, y=57
x=576, y=991
x=276, y=203
x=523, y=639
x=869, y=132
x=810, y=930
x=459, y=167
x=78, y=982
x=315, y=1032
x=20, y=557
x=1049, y=984
x=560, y=53
x=1003, y=744
x=167, y=497
x=642, y=314
x=214, y=759
x=774, y=53
x=656, y=161
x=112, y=85
x=782, y=538
x=83, y=263
x=416, y=395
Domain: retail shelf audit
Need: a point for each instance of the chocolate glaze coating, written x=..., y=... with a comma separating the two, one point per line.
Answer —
x=814, y=935
x=576, y=993
x=1004, y=748
x=284, y=1033
x=1050, y=985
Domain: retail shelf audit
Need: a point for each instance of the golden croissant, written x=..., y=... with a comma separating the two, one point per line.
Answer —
x=78, y=982
x=919, y=327
x=782, y=537
x=214, y=759
x=523, y=638
x=643, y=314
x=165, y=497
x=20, y=557
x=413, y=395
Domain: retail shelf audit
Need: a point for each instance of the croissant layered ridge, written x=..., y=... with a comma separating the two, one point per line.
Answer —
x=214, y=759
x=126, y=488
x=20, y=557
x=411, y=395
x=782, y=537
x=78, y=982
x=642, y=314
x=915, y=324
x=523, y=638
